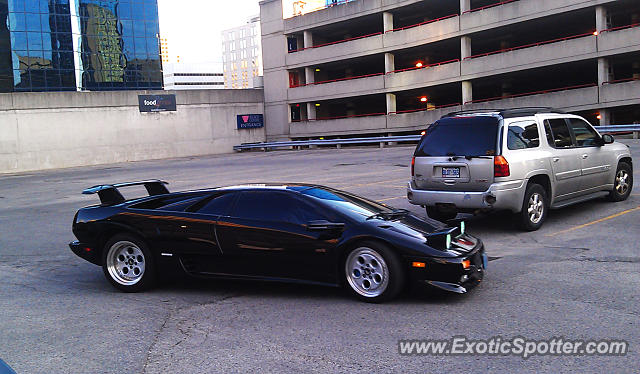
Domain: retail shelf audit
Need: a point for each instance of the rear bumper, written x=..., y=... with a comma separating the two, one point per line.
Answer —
x=85, y=251
x=499, y=196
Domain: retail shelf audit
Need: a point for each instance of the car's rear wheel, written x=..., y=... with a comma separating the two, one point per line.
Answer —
x=441, y=214
x=534, y=208
x=622, y=183
x=373, y=272
x=128, y=264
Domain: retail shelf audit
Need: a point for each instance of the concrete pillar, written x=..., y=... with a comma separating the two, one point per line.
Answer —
x=391, y=103
x=389, y=62
x=465, y=47
x=387, y=21
x=467, y=92
x=604, y=71
x=309, y=75
x=465, y=5
x=311, y=111
x=605, y=117
x=391, y=143
x=601, y=18
x=308, y=39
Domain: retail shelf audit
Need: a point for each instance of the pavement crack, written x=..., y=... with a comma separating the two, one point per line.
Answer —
x=627, y=260
x=155, y=340
x=185, y=332
x=561, y=247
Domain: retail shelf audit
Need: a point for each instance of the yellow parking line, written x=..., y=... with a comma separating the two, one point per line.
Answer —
x=596, y=221
x=372, y=183
x=392, y=198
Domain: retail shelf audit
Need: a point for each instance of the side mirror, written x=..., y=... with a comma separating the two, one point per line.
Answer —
x=607, y=139
x=322, y=225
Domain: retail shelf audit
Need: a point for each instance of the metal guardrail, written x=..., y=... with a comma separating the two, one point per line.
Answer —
x=618, y=128
x=337, y=142
x=389, y=139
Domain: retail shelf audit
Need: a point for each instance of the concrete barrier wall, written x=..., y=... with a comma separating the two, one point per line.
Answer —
x=65, y=129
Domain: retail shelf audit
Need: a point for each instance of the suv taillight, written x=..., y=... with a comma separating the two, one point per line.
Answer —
x=413, y=166
x=500, y=167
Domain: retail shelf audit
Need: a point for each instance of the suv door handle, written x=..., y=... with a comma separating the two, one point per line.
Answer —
x=584, y=156
x=556, y=159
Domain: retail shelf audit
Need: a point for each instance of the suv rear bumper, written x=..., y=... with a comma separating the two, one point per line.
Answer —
x=499, y=196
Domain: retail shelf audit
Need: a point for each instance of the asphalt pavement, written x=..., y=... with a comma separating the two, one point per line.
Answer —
x=578, y=277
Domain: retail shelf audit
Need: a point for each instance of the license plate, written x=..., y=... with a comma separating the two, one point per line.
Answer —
x=485, y=261
x=450, y=172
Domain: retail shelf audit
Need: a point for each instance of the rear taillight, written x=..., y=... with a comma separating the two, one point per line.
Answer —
x=500, y=167
x=413, y=166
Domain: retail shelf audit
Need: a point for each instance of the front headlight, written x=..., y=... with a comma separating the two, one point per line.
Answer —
x=448, y=242
x=462, y=227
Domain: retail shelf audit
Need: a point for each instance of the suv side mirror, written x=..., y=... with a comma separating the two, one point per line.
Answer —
x=607, y=139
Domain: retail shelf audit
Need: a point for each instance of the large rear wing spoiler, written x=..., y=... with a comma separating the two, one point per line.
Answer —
x=109, y=194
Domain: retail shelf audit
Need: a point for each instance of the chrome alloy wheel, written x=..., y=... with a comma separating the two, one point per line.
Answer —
x=125, y=263
x=535, y=208
x=367, y=272
x=622, y=182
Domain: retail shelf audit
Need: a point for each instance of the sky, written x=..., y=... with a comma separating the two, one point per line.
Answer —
x=193, y=27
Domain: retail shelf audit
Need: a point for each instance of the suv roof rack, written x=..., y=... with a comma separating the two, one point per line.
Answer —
x=528, y=111
x=508, y=113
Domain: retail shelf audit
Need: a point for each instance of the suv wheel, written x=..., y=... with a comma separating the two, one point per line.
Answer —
x=534, y=208
x=622, y=183
x=440, y=214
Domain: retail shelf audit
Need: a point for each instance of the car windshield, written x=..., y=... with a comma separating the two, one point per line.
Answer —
x=460, y=136
x=350, y=205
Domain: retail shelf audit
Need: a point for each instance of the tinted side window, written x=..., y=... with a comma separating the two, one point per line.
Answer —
x=547, y=130
x=218, y=205
x=171, y=203
x=274, y=206
x=523, y=135
x=584, y=134
x=560, y=133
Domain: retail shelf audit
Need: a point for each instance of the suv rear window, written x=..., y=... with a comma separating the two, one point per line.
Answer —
x=460, y=136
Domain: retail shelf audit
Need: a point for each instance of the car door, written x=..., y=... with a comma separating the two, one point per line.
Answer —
x=191, y=234
x=565, y=159
x=596, y=160
x=266, y=235
x=171, y=229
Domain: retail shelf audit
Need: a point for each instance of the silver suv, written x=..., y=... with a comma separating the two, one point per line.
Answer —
x=524, y=160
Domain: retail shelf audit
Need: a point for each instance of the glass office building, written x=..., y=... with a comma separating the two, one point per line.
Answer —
x=68, y=45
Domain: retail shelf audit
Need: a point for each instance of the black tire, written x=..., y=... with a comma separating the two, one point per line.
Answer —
x=384, y=285
x=624, y=174
x=128, y=264
x=534, y=195
x=441, y=215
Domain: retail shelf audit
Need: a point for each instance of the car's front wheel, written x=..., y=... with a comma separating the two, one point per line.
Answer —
x=128, y=264
x=373, y=272
x=622, y=183
x=534, y=208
